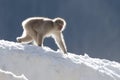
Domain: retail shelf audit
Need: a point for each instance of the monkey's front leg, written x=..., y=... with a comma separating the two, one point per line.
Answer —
x=60, y=42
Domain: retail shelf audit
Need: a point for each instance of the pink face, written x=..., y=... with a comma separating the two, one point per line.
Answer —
x=60, y=24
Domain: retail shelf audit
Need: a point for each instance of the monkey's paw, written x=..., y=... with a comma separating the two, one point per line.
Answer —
x=19, y=40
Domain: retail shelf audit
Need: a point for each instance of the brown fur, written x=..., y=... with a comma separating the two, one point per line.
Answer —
x=37, y=28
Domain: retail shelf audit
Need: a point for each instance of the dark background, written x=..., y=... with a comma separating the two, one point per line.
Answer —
x=93, y=26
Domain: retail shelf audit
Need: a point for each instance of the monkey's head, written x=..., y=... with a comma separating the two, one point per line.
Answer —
x=61, y=24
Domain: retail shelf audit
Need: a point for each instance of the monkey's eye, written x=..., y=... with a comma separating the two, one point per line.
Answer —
x=59, y=22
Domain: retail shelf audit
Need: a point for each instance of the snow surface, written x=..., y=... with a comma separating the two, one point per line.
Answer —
x=36, y=63
x=5, y=75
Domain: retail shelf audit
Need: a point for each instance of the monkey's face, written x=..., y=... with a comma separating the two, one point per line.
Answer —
x=60, y=24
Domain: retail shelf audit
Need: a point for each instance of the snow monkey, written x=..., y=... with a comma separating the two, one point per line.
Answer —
x=37, y=28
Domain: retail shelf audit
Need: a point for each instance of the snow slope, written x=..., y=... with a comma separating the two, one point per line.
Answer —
x=35, y=63
x=5, y=75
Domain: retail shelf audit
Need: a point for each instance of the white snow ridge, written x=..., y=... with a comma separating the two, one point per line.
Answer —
x=5, y=75
x=36, y=63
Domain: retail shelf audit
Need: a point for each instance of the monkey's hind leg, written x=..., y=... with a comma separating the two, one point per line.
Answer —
x=25, y=38
x=40, y=39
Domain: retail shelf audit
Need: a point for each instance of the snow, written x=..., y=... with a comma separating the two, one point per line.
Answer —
x=5, y=75
x=30, y=62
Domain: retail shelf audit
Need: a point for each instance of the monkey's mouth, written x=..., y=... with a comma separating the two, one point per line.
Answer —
x=60, y=27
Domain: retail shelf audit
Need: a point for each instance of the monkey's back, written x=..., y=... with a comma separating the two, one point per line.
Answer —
x=39, y=24
x=33, y=20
